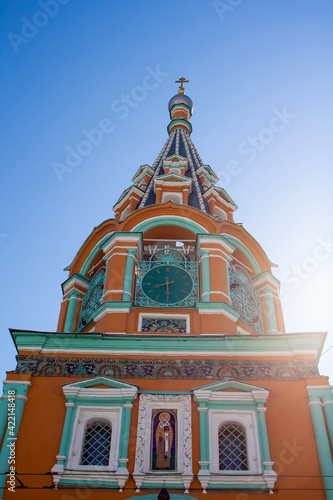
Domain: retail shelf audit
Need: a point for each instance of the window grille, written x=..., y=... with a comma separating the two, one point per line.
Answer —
x=92, y=298
x=96, y=446
x=232, y=448
x=245, y=299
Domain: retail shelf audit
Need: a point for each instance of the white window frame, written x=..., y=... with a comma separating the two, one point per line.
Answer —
x=84, y=414
x=142, y=473
x=247, y=420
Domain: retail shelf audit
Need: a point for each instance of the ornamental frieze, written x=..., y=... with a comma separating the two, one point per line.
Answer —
x=50, y=366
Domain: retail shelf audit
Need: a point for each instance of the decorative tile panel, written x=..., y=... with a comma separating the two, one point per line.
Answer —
x=163, y=325
x=196, y=369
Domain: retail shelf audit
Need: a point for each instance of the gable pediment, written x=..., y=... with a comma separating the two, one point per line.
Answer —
x=141, y=172
x=231, y=385
x=172, y=177
x=102, y=386
x=231, y=390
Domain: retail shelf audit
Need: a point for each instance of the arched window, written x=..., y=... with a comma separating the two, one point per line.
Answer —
x=96, y=445
x=232, y=448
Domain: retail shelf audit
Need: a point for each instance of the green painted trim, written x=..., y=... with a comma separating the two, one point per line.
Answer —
x=125, y=433
x=231, y=384
x=216, y=237
x=170, y=221
x=263, y=438
x=323, y=448
x=205, y=275
x=237, y=486
x=281, y=343
x=96, y=484
x=204, y=435
x=163, y=392
x=238, y=244
x=93, y=253
x=113, y=383
x=328, y=409
x=180, y=105
x=230, y=405
x=73, y=277
x=122, y=236
x=123, y=194
x=320, y=393
x=270, y=312
x=111, y=305
x=128, y=275
x=218, y=307
x=73, y=294
x=173, y=496
x=223, y=191
x=70, y=314
x=66, y=434
x=156, y=485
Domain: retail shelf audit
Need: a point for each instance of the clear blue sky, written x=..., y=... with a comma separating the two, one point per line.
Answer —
x=247, y=65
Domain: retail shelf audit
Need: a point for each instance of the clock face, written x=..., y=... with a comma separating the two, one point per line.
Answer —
x=167, y=284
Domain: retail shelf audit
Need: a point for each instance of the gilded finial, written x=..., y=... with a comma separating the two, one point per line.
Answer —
x=181, y=80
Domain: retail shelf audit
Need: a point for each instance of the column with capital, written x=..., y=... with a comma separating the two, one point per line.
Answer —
x=128, y=277
x=315, y=394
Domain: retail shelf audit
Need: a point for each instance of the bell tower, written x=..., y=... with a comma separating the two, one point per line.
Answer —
x=170, y=364
x=173, y=249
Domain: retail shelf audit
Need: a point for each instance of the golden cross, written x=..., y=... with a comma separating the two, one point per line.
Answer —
x=181, y=80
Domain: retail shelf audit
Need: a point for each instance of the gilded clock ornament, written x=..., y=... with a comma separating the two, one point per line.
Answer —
x=168, y=279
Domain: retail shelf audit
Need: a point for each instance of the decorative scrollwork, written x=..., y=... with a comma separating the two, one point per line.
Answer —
x=167, y=257
x=245, y=299
x=92, y=298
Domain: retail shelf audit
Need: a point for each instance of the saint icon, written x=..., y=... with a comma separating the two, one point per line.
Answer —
x=163, y=440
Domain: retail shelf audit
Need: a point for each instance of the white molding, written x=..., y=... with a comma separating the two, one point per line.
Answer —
x=310, y=387
x=230, y=396
x=84, y=414
x=69, y=285
x=124, y=238
x=110, y=310
x=166, y=197
x=233, y=317
x=98, y=392
x=224, y=354
x=184, y=474
x=204, y=230
x=265, y=279
x=224, y=243
x=213, y=191
x=132, y=190
x=247, y=420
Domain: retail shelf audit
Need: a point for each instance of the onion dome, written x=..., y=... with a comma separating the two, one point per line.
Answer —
x=180, y=109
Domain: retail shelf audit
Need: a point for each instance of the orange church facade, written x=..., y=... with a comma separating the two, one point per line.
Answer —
x=170, y=364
